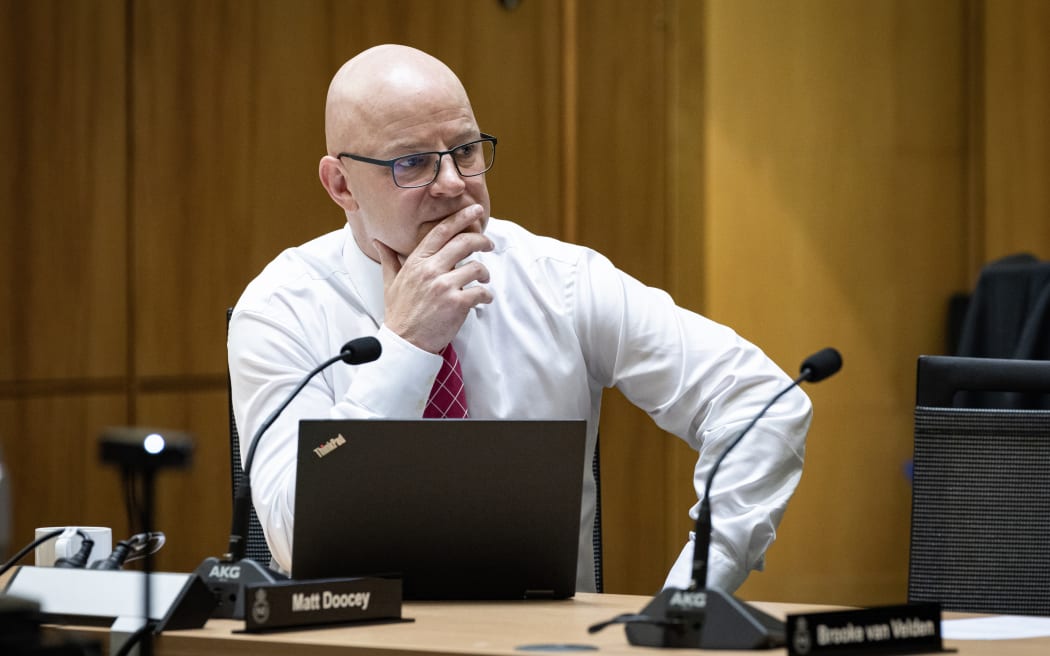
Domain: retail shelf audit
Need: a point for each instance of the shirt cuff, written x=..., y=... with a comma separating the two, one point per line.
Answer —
x=397, y=385
x=722, y=573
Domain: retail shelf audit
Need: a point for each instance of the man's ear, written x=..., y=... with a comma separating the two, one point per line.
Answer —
x=333, y=179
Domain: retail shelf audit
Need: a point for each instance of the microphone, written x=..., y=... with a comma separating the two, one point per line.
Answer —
x=815, y=368
x=357, y=351
x=822, y=364
x=709, y=618
x=228, y=576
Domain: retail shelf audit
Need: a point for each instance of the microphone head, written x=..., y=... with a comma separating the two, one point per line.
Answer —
x=820, y=365
x=361, y=350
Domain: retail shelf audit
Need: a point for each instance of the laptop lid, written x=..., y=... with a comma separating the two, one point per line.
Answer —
x=460, y=509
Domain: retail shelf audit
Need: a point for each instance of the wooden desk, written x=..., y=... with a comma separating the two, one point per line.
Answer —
x=480, y=628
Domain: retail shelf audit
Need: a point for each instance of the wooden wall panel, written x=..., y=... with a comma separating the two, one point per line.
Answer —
x=686, y=235
x=50, y=449
x=229, y=110
x=621, y=124
x=622, y=203
x=194, y=505
x=63, y=215
x=834, y=205
x=228, y=105
x=62, y=194
x=1017, y=128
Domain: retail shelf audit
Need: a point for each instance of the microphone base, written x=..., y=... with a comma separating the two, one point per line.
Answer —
x=707, y=619
x=227, y=581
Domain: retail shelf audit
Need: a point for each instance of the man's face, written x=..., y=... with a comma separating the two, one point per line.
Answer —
x=400, y=217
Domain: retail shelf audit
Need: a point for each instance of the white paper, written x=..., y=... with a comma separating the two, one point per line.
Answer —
x=999, y=627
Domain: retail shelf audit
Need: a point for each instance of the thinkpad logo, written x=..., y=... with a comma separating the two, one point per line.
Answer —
x=330, y=445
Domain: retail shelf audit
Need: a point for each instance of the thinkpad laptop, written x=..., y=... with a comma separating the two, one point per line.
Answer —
x=459, y=509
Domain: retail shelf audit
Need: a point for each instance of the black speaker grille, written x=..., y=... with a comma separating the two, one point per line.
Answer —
x=980, y=537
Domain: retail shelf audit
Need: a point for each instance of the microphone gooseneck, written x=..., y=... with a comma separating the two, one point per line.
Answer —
x=702, y=544
x=818, y=366
x=815, y=368
x=228, y=576
x=356, y=351
x=710, y=618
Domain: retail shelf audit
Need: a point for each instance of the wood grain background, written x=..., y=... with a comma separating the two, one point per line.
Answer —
x=810, y=172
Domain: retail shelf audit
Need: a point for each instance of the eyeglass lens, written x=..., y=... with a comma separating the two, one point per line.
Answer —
x=421, y=169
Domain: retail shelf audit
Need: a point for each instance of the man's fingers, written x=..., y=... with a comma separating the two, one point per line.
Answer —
x=466, y=273
x=477, y=295
x=449, y=228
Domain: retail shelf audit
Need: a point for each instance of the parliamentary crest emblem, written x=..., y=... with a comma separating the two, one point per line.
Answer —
x=261, y=607
x=802, y=640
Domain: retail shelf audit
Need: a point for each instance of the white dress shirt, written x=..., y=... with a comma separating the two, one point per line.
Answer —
x=564, y=324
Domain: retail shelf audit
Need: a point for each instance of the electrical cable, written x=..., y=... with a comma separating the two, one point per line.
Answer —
x=36, y=543
x=134, y=548
x=135, y=638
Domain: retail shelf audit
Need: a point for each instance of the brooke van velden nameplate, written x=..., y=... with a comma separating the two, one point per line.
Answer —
x=902, y=629
x=289, y=604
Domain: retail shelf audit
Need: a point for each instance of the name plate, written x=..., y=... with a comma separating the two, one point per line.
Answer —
x=904, y=629
x=288, y=604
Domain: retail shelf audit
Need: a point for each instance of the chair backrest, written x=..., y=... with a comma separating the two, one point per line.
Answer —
x=596, y=536
x=980, y=530
x=255, y=545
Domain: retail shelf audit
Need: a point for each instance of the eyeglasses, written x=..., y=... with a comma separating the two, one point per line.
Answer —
x=421, y=169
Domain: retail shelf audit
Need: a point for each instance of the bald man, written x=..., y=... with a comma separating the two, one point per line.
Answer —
x=537, y=327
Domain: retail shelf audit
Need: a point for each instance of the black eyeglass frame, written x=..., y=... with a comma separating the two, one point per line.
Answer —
x=389, y=163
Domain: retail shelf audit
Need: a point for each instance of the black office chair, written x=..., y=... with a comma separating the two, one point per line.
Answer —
x=596, y=537
x=255, y=545
x=980, y=530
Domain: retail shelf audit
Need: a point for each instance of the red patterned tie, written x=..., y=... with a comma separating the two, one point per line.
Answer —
x=448, y=399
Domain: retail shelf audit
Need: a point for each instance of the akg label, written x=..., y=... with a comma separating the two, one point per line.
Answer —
x=689, y=600
x=225, y=572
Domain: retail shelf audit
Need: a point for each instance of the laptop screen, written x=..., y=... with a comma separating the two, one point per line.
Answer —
x=460, y=509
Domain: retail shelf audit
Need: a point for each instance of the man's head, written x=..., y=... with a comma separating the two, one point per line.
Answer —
x=387, y=102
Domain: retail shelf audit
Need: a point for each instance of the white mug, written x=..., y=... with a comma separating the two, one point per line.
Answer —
x=68, y=542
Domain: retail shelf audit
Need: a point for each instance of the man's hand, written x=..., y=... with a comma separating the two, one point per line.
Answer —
x=425, y=299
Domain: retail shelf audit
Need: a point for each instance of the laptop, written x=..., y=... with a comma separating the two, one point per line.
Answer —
x=458, y=508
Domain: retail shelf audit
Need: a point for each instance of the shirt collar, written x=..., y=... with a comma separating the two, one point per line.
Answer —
x=366, y=277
